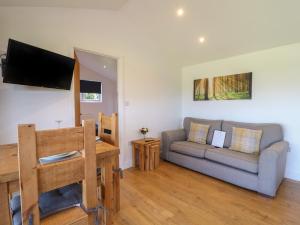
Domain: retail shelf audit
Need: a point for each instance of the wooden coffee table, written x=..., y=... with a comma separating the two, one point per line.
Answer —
x=146, y=153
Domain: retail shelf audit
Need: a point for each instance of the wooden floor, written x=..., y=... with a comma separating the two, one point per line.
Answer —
x=174, y=195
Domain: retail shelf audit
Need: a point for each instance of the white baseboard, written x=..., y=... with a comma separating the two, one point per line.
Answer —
x=126, y=165
x=292, y=175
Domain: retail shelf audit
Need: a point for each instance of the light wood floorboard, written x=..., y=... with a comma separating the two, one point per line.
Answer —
x=175, y=195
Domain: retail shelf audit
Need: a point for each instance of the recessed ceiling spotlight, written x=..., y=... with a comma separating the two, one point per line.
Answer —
x=104, y=66
x=201, y=40
x=180, y=12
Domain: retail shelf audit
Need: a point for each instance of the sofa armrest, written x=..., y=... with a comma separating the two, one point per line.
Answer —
x=271, y=168
x=168, y=137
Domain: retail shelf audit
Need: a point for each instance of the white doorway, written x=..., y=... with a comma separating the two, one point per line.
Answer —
x=99, y=73
x=118, y=71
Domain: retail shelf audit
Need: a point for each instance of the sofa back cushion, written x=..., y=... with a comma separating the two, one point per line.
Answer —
x=214, y=125
x=271, y=133
x=198, y=133
x=245, y=140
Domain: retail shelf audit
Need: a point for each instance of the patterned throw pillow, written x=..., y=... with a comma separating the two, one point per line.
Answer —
x=198, y=133
x=245, y=140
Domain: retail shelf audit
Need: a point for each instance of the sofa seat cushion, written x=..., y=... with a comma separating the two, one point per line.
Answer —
x=239, y=160
x=189, y=148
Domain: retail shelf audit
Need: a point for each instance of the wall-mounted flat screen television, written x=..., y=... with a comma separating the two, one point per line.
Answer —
x=29, y=65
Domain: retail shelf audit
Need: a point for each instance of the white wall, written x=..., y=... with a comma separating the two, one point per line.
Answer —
x=276, y=94
x=22, y=104
x=109, y=102
x=151, y=82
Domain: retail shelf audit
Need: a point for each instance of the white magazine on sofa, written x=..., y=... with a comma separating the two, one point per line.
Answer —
x=218, y=138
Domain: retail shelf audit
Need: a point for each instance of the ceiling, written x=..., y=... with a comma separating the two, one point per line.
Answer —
x=86, y=4
x=103, y=65
x=231, y=27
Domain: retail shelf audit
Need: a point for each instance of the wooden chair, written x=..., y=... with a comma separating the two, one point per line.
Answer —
x=108, y=131
x=36, y=178
x=108, y=128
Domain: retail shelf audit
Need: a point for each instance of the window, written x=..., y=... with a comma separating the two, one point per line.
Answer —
x=90, y=91
x=90, y=97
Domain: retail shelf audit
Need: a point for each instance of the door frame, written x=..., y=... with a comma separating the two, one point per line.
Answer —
x=76, y=90
x=120, y=94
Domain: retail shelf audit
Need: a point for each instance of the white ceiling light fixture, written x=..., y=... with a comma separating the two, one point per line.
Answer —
x=180, y=12
x=104, y=66
x=201, y=40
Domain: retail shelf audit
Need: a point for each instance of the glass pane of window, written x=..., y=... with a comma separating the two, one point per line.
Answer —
x=90, y=97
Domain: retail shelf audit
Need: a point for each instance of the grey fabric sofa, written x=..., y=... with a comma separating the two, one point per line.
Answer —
x=262, y=173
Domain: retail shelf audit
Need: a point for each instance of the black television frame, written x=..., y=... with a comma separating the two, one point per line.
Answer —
x=6, y=68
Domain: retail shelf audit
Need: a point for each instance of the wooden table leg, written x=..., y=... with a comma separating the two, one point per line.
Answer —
x=152, y=158
x=147, y=158
x=134, y=158
x=116, y=185
x=141, y=158
x=108, y=183
x=101, y=187
x=4, y=205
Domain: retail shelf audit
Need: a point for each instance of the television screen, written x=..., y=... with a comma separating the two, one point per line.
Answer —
x=29, y=65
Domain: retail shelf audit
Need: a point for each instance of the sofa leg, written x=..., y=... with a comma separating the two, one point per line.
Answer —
x=266, y=196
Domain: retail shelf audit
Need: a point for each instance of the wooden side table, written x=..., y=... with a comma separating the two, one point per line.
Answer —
x=146, y=153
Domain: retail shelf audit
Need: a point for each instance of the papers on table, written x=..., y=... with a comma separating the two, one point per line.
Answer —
x=59, y=157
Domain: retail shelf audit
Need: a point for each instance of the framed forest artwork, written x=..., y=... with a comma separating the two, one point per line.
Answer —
x=201, y=89
x=231, y=87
